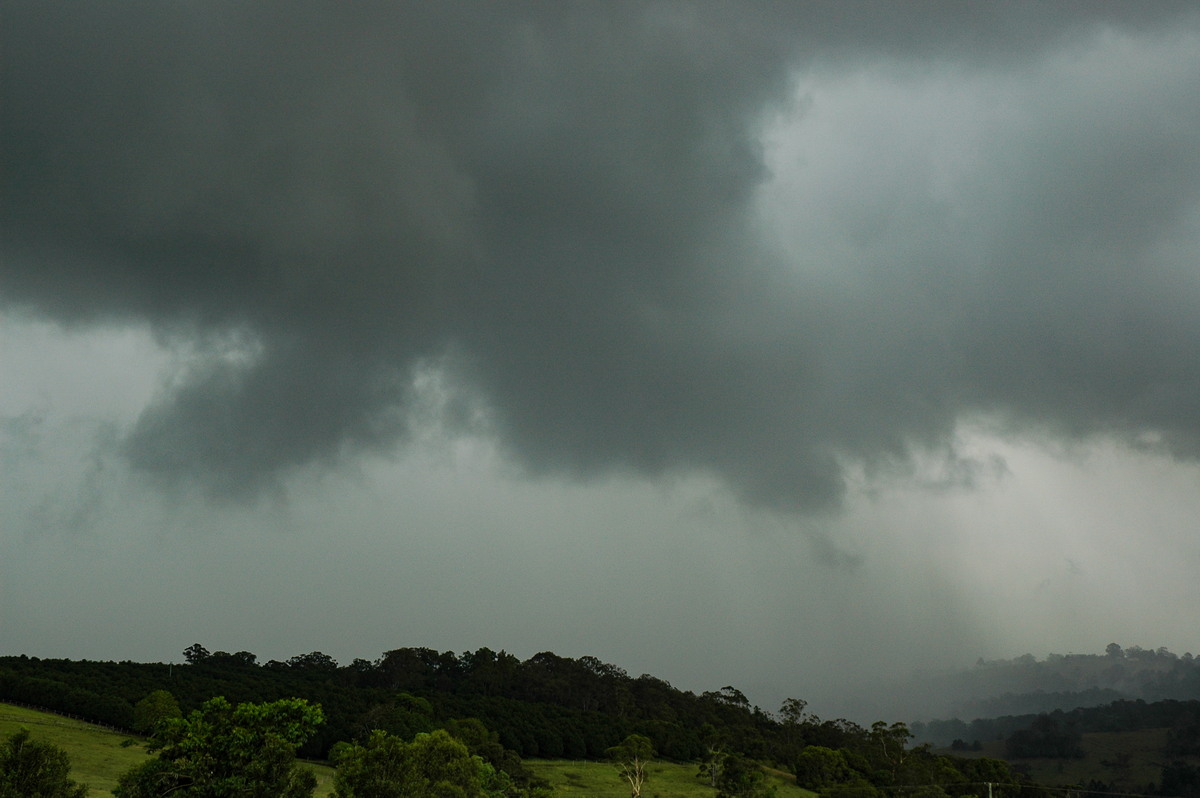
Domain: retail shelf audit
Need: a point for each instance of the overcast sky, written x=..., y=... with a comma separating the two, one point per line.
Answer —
x=787, y=346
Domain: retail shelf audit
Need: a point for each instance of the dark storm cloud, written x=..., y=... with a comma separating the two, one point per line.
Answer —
x=551, y=203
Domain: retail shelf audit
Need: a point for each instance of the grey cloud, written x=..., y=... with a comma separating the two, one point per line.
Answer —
x=553, y=204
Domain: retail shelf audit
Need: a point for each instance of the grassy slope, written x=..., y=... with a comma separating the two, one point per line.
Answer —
x=665, y=780
x=97, y=756
x=324, y=778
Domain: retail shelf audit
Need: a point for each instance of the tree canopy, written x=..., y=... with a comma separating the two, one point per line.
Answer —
x=35, y=769
x=433, y=765
x=632, y=756
x=223, y=751
x=156, y=707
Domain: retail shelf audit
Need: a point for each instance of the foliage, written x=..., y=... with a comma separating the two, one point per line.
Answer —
x=375, y=769
x=632, y=756
x=714, y=755
x=789, y=741
x=818, y=767
x=1180, y=779
x=314, y=661
x=195, y=653
x=158, y=706
x=223, y=659
x=742, y=778
x=1183, y=739
x=510, y=775
x=35, y=769
x=222, y=750
x=1048, y=736
x=435, y=765
x=889, y=747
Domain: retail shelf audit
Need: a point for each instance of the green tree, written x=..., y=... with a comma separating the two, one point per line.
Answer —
x=226, y=751
x=195, y=653
x=889, y=747
x=714, y=754
x=433, y=765
x=818, y=767
x=158, y=706
x=509, y=773
x=742, y=778
x=314, y=661
x=790, y=740
x=35, y=769
x=1046, y=737
x=632, y=756
x=377, y=768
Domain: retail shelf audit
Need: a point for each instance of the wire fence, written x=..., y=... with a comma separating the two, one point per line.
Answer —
x=68, y=715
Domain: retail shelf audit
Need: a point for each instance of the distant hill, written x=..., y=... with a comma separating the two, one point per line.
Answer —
x=1025, y=685
x=1126, y=747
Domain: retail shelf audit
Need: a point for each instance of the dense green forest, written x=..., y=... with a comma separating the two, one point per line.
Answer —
x=556, y=707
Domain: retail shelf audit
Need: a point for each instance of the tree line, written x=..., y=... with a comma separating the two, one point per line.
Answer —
x=501, y=710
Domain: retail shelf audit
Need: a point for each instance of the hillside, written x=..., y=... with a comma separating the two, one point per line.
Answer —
x=551, y=708
x=100, y=755
x=546, y=706
x=1026, y=685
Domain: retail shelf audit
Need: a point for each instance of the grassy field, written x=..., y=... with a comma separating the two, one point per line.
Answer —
x=324, y=778
x=665, y=780
x=1144, y=764
x=97, y=754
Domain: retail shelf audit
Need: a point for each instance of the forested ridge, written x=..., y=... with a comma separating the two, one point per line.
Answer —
x=557, y=707
x=546, y=706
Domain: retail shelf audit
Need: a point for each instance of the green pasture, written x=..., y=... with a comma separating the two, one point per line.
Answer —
x=324, y=778
x=97, y=754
